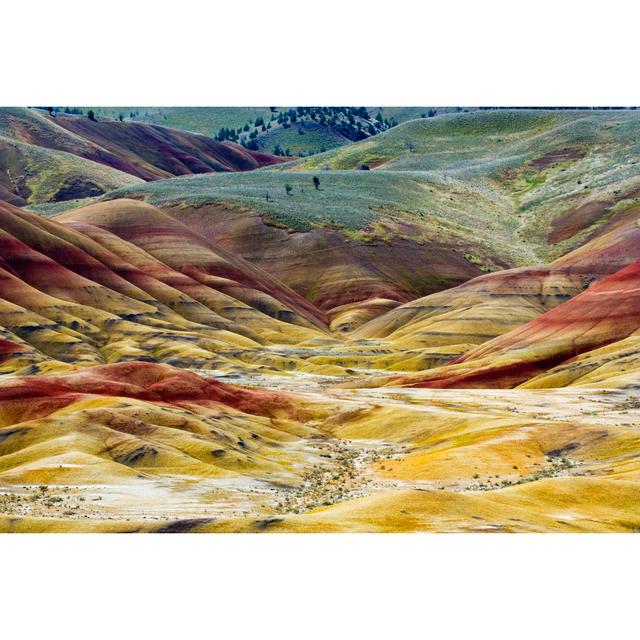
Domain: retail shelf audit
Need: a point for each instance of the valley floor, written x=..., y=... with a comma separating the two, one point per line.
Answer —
x=386, y=459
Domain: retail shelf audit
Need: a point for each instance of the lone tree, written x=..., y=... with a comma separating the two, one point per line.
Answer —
x=288, y=188
x=91, y=115
x=316, y=182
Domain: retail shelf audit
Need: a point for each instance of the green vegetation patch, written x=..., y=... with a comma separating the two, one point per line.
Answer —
x=351, y=201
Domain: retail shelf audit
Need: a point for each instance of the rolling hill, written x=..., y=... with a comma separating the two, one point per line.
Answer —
x=33, y=169
x=78, y=294
x=561, y=174
x=392, y=236
x=291, y=130
x=493, y=304
x=30, y=175
x=607, y=312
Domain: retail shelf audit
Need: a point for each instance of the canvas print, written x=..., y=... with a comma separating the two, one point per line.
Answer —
x=319, y=319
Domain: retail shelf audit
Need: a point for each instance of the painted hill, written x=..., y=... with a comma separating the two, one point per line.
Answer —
x=605, y=313
x=496, y=303
x=31, y=175
x=76, y=293
x=130, y=424
x=144, y=151
x=144, y=447
x=358, y=238
x=489, y=261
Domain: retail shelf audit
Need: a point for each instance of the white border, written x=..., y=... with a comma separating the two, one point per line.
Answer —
x=331, y=586
x=463, y=52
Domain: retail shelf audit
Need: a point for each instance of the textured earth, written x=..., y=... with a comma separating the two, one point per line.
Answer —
x=447, y=342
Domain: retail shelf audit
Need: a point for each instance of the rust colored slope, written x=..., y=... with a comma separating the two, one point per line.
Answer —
x=130, y=423
x=147, y=151
x=169, y=151
x=40, y=259
x=604, y=313
x=15, y=354
x=475, y=311
x=494, y=304
x=201, y=259
x=29, y=397
x=332, y=270
x=76, y=302
x=103, y=257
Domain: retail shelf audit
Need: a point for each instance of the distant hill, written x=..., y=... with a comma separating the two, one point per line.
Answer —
x=143, y=151
x=204, y=120
x=562, y=174
x=359, y=236
x=30, y=174
x=290, y=131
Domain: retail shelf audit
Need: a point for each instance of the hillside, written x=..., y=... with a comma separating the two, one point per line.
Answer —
x=607, y=312
x=31, y=174
x=493, y=304
x=368, y=236
x=564, y=174
x=148, y=152
x=77, y=294
x=144, y=447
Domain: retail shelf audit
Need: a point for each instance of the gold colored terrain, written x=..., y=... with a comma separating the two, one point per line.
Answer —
x=418, y=460
x=217, y=354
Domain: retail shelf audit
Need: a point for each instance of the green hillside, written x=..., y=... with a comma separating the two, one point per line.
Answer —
x=442, y=142
x=33, y=175
x=300, y=139
x=350, y=200
x=563, y=174
x=284, y=130
x=204, y=120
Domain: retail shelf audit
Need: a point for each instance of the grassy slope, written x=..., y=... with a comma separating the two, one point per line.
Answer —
x=204, y=120
x=448, y=141
x=402, y=114
x=352, y=200
x=300, y=138
x=546, y=165
x=40, y=175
